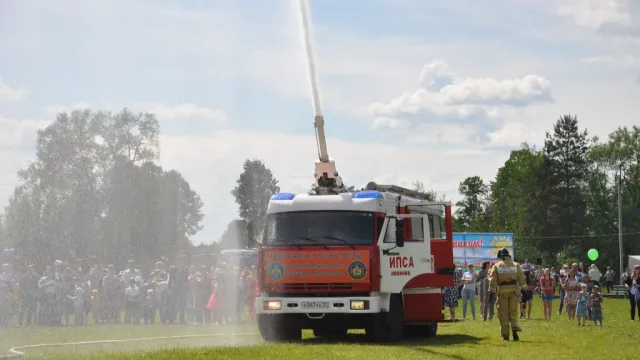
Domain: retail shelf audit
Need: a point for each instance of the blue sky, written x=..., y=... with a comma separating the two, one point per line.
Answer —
x=411, y=89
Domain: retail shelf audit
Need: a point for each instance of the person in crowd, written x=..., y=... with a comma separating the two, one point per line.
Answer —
x=596, y=306
x=150, y=307
x=563, y=279
x=547, y=288
x=595, y=275
x=132, y=305
x=6, y=281
x=203, y=292
x=161, y=286
x=218, y=303
x=577, y=270
x=581, y=305
x=131, y=272
x=192, y=284
x=178, y=288
x=609, y=277
x=68, y=289
x=632, y=282
x=586, y=280
x=111, y=301
x=571, y=288
x=527, y=296
x=28, y=296
x=451, y=295
x=78, y=302
x=50, y=286
x=504, y=278
x=469, y=279
x=483, y=286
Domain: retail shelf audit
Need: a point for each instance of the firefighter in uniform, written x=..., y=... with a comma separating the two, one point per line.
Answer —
x=504, y=278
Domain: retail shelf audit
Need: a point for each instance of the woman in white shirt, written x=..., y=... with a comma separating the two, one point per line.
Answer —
x=469, y=279
x=595, y=275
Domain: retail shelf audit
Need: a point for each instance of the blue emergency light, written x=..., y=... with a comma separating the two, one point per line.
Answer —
x=283, y=196
x=368, y=194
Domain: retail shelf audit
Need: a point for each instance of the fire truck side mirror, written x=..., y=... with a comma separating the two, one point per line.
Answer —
x=400, y=232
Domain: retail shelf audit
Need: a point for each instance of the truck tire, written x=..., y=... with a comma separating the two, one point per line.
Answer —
x=421, y=331
x=388, y=326
x=276, y=328
x=433, y=329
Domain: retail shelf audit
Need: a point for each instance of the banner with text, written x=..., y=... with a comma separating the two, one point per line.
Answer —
x=476, y=248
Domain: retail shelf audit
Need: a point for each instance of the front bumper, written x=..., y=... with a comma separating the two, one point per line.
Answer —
x=314, y=305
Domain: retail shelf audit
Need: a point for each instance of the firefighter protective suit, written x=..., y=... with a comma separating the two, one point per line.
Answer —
x=504, y=278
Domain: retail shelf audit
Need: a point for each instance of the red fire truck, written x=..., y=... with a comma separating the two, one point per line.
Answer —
x=372, y=260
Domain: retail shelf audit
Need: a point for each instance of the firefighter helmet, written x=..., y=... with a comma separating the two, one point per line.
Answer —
x=503, y=252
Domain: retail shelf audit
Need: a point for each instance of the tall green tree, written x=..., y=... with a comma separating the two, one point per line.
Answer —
x=516, y=200
x=566, y=169
x=254, y=188
x=470, y=210
x=618, y=163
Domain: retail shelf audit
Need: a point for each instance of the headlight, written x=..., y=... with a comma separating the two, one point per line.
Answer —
x=272, y=305
x=359, y=305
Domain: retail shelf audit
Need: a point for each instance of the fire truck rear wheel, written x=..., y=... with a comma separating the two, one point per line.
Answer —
x=388, y=326
x=276, y=328
x=421, y=331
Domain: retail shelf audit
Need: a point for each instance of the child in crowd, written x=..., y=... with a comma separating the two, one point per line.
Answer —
x=132, y=305
x=596, y=306
x=583, y=303
x=78, y=300
x=96, y=311
x=150, y=306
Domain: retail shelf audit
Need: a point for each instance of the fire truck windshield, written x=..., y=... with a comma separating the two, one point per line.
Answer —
x=313, y=228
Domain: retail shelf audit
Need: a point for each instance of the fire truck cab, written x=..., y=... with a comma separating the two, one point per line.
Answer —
x=373, y=260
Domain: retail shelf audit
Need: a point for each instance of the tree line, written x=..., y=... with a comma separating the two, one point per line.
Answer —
x=561, y=200
x=95, y=191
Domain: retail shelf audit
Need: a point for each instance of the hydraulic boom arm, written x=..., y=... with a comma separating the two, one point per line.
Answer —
x=327, y=178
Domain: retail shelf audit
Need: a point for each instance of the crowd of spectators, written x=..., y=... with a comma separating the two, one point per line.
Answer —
x=69, y=294
x=579, y=289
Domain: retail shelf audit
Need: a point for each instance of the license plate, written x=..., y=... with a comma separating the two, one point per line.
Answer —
x=314, y=305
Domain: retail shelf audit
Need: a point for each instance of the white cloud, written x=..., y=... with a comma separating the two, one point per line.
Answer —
x=623, y=59
x=464, y=97
x=451, y=109
x=390, y=123
x=8, y=93
x=19, y=132
x=17, y=140
x=454, y=134
x=185, y=111
x=596, y=13
x=513, y=135
x=57, y=109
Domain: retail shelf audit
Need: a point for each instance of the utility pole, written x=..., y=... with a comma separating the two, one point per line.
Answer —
x=620, y=220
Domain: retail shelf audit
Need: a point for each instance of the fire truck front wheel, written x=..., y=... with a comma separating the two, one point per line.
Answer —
x=277, y=328
x=387, y=326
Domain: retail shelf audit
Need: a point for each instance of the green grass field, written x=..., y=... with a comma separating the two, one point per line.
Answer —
x=560, y=339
